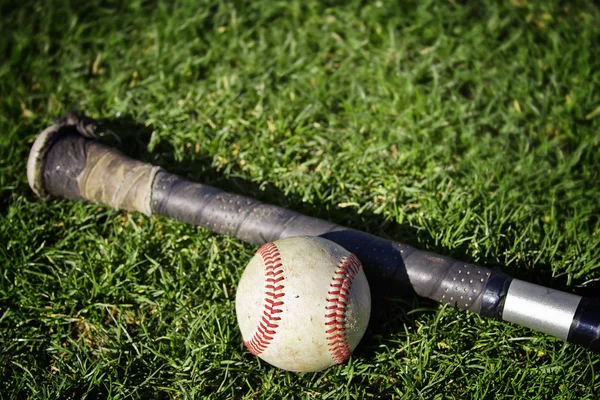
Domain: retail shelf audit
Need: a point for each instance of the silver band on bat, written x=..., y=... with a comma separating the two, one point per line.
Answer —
x=540, y=308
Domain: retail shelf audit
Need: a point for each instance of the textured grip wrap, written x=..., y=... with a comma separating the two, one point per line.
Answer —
x=430, y=275
x=229, y=214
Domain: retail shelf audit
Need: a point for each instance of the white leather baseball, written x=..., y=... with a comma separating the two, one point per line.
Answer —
x=303, y=303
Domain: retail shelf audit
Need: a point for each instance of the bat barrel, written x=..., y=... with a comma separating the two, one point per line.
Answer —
x=64, y=161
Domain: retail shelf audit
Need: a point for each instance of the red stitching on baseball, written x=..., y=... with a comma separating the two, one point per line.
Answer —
x=335, y=315
x=269, y=320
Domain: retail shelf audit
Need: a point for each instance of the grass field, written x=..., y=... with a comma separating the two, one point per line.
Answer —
x=467, y=129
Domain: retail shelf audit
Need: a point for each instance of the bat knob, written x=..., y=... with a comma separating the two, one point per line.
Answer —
x=72, y=123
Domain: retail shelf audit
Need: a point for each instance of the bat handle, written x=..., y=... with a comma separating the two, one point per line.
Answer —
x=64, y=162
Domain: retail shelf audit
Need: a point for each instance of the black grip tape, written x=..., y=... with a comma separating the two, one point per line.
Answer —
x=494, y=295
x=230, y=214
x=585, y=329
x=430, y=275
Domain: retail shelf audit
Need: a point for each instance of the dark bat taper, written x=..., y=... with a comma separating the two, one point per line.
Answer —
x=66, y=161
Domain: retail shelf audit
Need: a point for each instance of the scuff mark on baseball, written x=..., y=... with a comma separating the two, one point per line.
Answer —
x=303, y=303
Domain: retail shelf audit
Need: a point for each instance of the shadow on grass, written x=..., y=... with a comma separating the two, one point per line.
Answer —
x=133, y=139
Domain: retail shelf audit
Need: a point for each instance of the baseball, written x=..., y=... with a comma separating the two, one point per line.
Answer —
x=303, y=303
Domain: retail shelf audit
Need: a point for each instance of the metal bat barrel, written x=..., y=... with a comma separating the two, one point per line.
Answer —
x=66, y=162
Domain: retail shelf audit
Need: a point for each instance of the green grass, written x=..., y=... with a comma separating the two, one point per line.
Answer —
x=467, y=129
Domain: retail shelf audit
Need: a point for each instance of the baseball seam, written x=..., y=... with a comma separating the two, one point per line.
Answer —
x=272, y=305
x=335, y=314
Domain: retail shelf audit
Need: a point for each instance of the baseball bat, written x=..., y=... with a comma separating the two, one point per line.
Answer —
x=67, y=161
